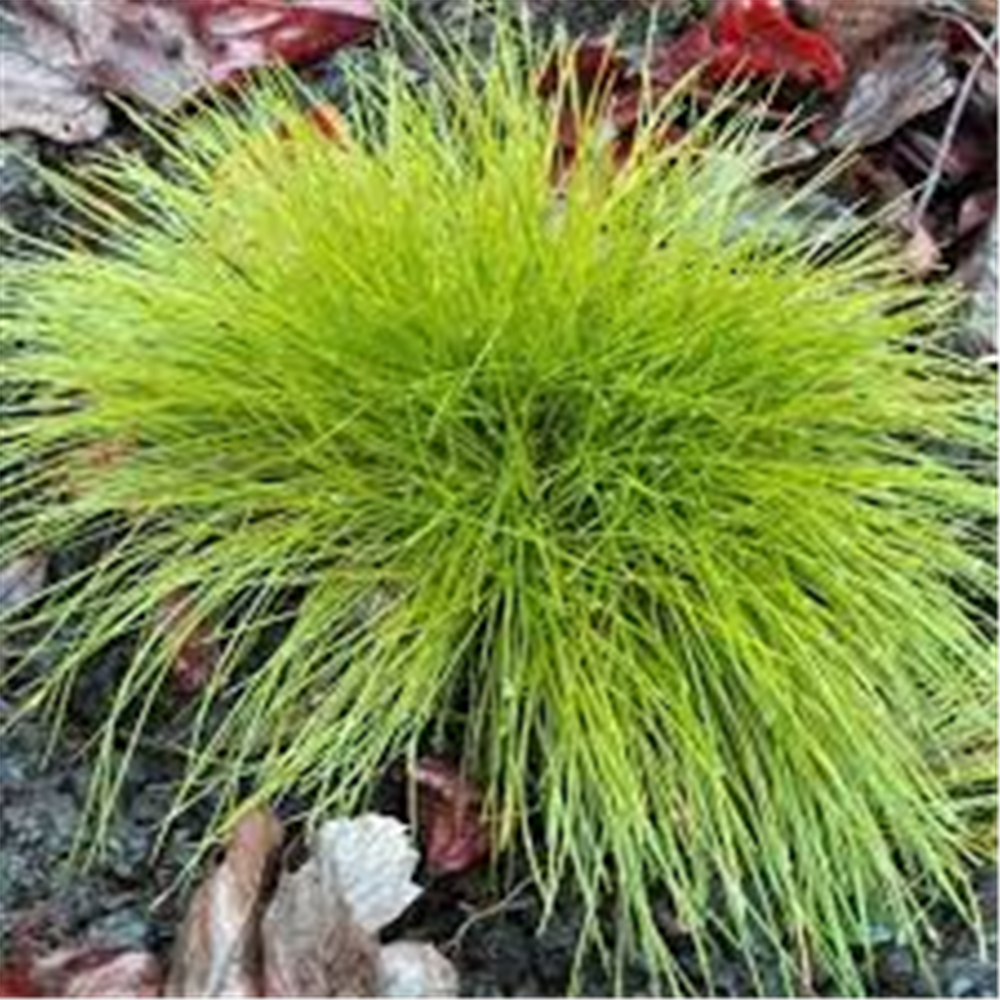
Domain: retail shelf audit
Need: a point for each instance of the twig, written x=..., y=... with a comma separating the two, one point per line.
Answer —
x=506, y=903
x=975, y=35
x=951, y=128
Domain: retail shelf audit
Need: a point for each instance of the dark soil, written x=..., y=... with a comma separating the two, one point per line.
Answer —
x=132, y=896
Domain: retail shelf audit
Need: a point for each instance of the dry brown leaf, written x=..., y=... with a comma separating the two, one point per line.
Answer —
x=856, y=25
x=319, y=932
x=317, y=937
x=218, y=950
x=921, y=252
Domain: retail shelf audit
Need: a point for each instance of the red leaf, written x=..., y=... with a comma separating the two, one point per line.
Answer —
x=751, y=38
x=455, y=837
x=757, y=38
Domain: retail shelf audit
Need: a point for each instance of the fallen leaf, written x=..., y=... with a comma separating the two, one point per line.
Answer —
x=217, y=952
x=672, y=61
x=66, y=54
x=921, y=251
x=856, y=26
x=979, y=274
x=976, y=211
x=311, y=945
x=42, y=99
x=908, y=79
x=319, y=932
x=95, y=974
x=758, y=38
x=983, y=10
x=16, y=983
x=594, y=66
x=195, y=651
x=455, y=836
x=84, y=972
x=413, y=969
x=374, y=862
x=238, y=35
x=749, y=38
x=315, y=934
x=22, y=579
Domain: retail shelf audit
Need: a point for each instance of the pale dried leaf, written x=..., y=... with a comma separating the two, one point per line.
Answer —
x=921, y=252
x=22, y=579
x=311, y=945
x=412, y=969
x=372, y=860
x=218, y=950
x=907, y=80
x=40, y=98
x=979, y=273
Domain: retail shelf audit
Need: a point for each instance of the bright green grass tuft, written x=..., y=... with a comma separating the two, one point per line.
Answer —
x=647, y=489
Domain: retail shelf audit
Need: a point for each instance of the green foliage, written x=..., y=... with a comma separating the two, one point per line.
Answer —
x=658, y=493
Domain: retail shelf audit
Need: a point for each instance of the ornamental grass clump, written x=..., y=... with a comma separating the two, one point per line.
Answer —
x=631, y=479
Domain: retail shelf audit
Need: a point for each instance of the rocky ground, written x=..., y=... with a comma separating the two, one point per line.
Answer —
x=131, y=897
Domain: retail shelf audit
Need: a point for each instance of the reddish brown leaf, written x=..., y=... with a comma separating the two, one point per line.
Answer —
x=84, y=972
x=97, y=974
x=238, y=35
x=976, y=211
x=16, y=981
x=455, y=836
x=594, y=65
x=195, y=650
x=673, y=61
